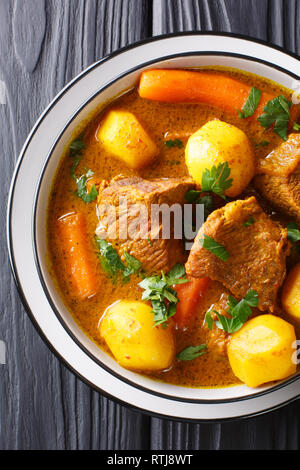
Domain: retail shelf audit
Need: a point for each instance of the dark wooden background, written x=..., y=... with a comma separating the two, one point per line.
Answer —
x=43, y=45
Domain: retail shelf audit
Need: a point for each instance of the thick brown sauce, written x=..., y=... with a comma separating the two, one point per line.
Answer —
x=159, y=119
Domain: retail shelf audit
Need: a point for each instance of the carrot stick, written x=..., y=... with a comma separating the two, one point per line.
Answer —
x=184, y=86
x=76, y=253
x=189, y=296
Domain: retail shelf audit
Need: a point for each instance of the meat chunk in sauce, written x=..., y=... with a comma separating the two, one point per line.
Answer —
x=257, y=252
x=216, y=339
x=132, y=202
x=278, y=178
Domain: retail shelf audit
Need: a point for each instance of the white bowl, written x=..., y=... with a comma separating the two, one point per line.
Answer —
x=27, y=207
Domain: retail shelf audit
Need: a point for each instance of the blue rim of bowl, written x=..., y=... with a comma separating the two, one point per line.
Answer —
x=37, y=262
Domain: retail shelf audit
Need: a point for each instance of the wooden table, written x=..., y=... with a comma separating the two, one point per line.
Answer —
x=44, y=44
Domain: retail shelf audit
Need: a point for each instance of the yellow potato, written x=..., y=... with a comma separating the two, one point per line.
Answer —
x=127, y=327
x=218, y=142
x=122, y=135
x=290, y=298
x=261, y=351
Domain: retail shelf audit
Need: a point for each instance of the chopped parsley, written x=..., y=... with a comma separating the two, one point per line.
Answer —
x=158, y=289
x=216, y=180
x=239, y=313
x=191, y=352
x=251, y=104
x=111, y=262
x=262, y=143
x=293, y=234
x=214, y=247
x=76, y=153
x=207, y=200
x=296, y=126
x=277, y=111
x=249, y=222
x=174, y=143
x=82, y=190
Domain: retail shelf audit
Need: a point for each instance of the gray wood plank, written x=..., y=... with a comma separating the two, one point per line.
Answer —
x=43, y=45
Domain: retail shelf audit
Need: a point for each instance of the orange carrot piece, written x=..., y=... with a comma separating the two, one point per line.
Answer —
x=184, y=86
x=77, y=255
x=189, y=296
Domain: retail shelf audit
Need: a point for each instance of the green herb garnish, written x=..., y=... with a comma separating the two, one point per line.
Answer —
x=262, y=143
x=111, y=262
x=296, y=126
x=277, y=111
x=207, y=200
x=239, y=313
x=217, y=179
x=158, y=289
x=209, y=320
x=133, y=265
x=76, y=153
x=174, y=143
x=251, y=104
x=293, y=234
x=214, y=247
x=82, y=191
x=249, y=222
x=191, y=352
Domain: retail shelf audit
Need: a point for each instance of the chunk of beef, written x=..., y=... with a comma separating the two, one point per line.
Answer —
x=216, y=339
x=257, y=252
x=278, y=178
x=125, y=209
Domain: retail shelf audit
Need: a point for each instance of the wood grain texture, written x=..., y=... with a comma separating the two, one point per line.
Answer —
x=44, y=44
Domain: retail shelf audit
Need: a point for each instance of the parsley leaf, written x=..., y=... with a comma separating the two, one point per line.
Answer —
x=191, y=352
x=77, y=146
x=207, y=200
x=111, y=262
x=239, y=313
x=209, y=320
x=277, y=110
x=133, y=264
x=296, y=126
x=293, y=234
x=192, y=196
x=158, y=289
x=76, y=152
x=251, y=104
x=262, y=143
x=214, y=247
x=249, y=222
x=82, y=191
x=174, y=143
x=217, y=179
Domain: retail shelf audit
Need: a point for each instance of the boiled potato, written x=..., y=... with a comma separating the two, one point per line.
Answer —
x=218, y=142
x=122, y=135
x=261, y=351
x=290, y=298
x=127, y=327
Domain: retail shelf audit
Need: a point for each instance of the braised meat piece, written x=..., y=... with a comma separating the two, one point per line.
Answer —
x=216, y=339
x=257, y=251
x=278, y=178
x=129, y=220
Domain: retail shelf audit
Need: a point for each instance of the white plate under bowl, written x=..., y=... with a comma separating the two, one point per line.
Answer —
x=27, y=206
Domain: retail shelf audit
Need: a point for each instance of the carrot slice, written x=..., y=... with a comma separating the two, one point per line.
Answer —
x=184, y=86
x=189, y=296
x=77, y=255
